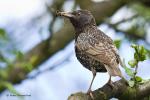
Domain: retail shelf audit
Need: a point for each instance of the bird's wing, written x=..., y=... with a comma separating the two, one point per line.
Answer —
x=100, y=49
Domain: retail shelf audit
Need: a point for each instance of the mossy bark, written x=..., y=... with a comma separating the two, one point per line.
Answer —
x=120, y=90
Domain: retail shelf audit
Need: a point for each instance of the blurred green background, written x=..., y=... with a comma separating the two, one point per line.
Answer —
x=37, y=58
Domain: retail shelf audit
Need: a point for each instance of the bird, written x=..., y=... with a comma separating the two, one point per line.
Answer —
x=93, y=48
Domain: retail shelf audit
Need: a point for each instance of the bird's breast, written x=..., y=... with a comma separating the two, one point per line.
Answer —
x=89, y=62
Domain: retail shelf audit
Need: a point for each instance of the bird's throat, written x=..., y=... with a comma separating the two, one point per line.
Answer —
x=85, y=29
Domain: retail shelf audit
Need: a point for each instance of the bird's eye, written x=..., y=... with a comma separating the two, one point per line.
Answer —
x=78, y=13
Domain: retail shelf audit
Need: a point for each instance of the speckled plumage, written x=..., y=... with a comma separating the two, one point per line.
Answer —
x=82, y=43
x=94, y=50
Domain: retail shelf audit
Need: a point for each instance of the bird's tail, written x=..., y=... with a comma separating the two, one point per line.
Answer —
x=122, y=62
x=113, y=70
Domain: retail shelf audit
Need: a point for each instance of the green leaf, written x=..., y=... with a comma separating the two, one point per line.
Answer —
x=138, y=79
x=3, y=74
x=132, y=63
x=5, y=60
x=2, y=58
x=3, y=34
x=28, y=66
x=129, y=71
x=142, y=52
x=131, y=83
x=19, y=54
x=143, y=81
x=134, y=46
x=10, y=87
x=148, y=53
x=117, y=43
x=136, y=56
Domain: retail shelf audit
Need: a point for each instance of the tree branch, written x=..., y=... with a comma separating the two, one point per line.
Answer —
x=120, y=90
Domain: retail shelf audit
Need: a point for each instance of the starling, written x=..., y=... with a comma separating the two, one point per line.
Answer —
x=94, y=49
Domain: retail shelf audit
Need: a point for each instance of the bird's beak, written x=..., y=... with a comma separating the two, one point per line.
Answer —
x=65, y=14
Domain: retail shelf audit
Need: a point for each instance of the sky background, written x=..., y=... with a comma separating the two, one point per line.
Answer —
x=68, y=76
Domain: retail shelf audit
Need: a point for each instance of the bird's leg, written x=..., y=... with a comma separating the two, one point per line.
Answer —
x=94, y=74
x=110, y=82
x=89, y=90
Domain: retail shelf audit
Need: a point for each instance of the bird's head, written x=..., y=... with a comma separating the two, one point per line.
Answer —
x=79, y=18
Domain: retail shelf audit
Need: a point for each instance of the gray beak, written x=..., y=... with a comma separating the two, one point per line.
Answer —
x=65, y=14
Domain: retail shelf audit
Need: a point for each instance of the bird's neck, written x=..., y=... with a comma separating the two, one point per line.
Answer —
x=84, y=29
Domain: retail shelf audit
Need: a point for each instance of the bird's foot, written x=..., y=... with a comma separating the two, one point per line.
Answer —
x=89, y=92
x=110, y=83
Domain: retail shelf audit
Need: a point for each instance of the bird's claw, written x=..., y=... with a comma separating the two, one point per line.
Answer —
x=90, y=94
x=111, y=84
